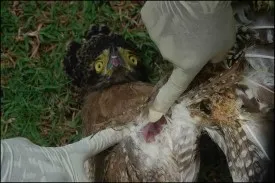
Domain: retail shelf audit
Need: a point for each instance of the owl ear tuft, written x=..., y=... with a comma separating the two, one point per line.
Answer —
x=96, y=29
x=93, y=30
x=104, y=29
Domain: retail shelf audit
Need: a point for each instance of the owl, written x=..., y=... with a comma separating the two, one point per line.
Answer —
x=108, y=73
x=233, y=107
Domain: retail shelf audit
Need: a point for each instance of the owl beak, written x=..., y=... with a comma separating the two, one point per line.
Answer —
x=115, y=61
x=114, y=57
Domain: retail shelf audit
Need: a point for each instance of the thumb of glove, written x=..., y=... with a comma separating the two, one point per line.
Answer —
x=154, y=115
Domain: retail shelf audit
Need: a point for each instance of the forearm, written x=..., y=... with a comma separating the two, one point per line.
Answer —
x=98, y=142
x=168, y=93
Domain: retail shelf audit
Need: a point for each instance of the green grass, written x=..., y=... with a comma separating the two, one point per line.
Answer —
x=37, y=102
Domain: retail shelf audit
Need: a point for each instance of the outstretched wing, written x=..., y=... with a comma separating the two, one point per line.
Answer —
x=246, y=140
x=247, y=144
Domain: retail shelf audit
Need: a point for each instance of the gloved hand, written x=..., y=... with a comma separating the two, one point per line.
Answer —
x=21, y=160
x=188, y=34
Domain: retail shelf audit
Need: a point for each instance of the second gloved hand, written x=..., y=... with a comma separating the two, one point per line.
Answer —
x=21, y=160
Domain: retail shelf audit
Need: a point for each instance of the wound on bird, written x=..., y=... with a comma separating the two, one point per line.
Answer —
x=151, y=130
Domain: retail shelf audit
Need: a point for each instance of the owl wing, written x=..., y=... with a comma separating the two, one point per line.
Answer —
x=121, y=164
x=255, y=25
x=247, y=144
x=256, y=89
x=187, y=155
x=256, y=92
x=246, y=161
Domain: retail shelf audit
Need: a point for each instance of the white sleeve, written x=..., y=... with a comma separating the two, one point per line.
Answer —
x=169, y=92
x=188, y=34
x=21, y=160
x=94, y=144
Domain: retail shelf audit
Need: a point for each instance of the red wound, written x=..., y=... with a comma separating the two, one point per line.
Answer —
x=150, y=130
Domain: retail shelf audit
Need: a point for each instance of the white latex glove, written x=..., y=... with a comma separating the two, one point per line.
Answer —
x=188, y=34
x=21, y=160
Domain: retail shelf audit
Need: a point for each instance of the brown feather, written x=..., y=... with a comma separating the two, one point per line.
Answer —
x=114, y=106
x=246, y=162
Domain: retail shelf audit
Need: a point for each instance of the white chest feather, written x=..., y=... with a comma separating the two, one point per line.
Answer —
x=172, y=152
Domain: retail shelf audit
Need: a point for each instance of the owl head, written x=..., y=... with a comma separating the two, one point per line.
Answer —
x=103, y=59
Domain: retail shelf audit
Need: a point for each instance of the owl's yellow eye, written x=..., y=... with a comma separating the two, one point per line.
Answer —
x=133, y=60
x=98, y=66
x=130, y=58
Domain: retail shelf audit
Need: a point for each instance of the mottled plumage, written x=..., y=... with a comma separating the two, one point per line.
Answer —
x=174, y=155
